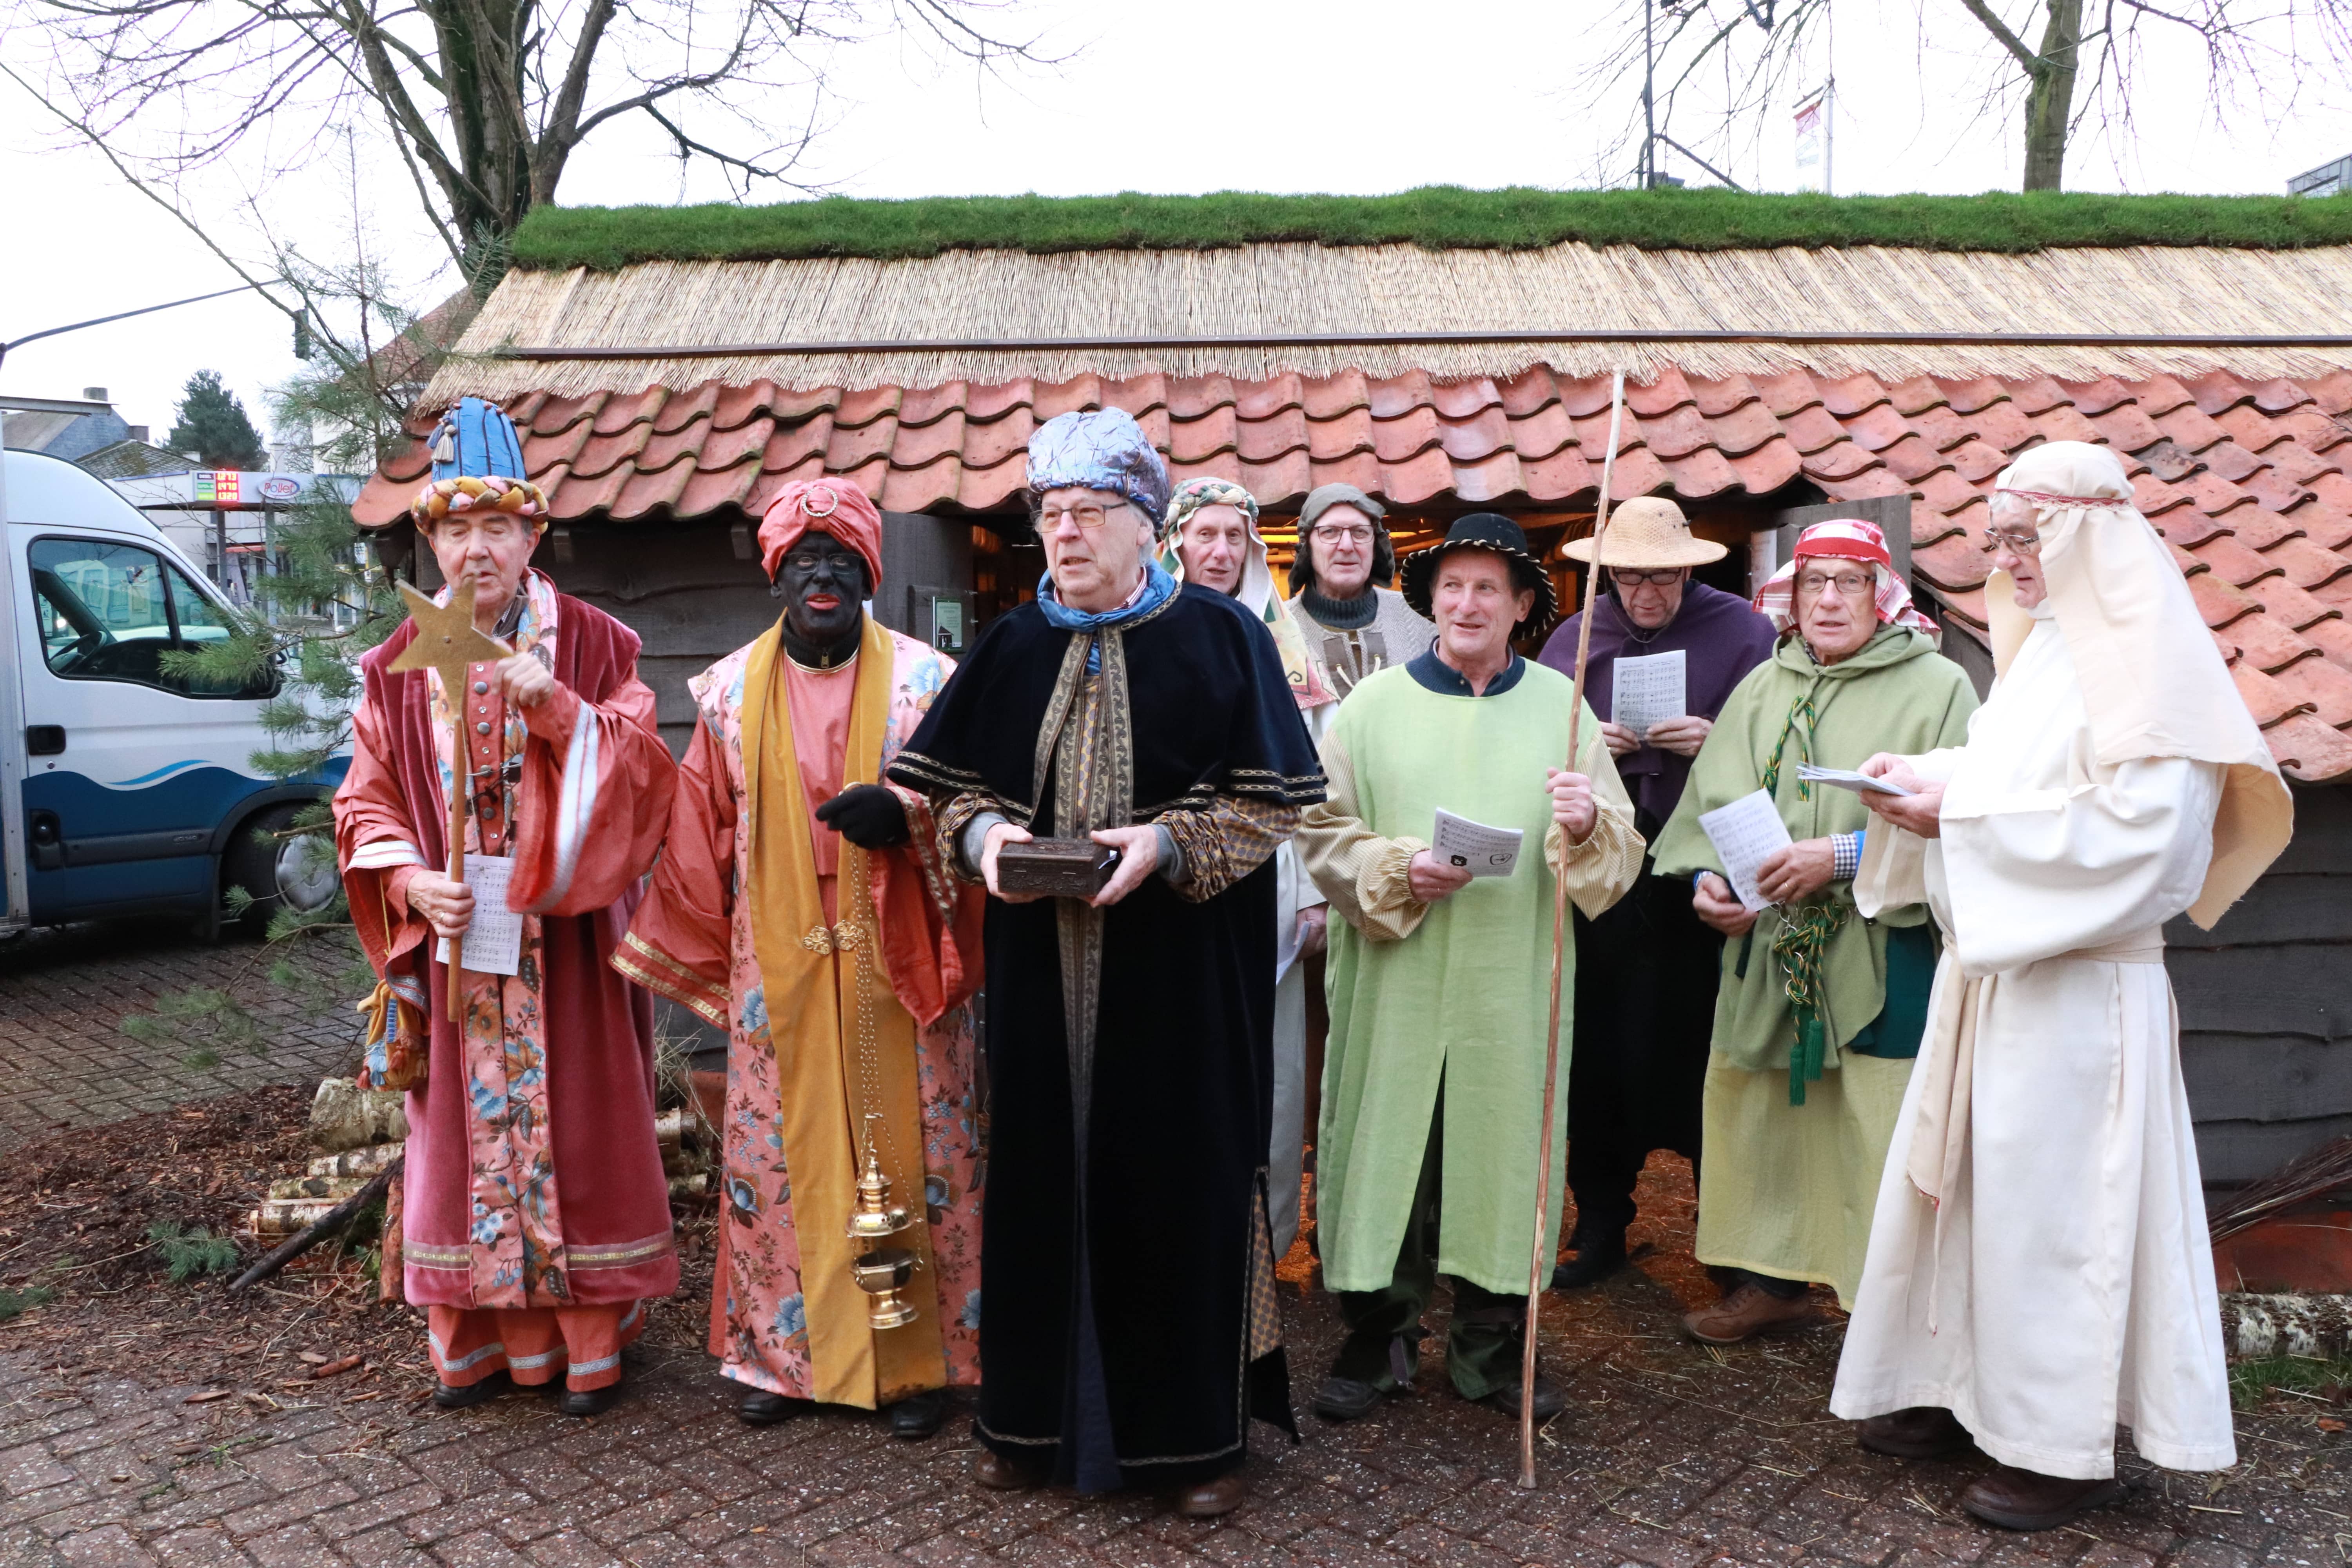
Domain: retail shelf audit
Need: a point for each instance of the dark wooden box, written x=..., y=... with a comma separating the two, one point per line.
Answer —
x=1065, y=867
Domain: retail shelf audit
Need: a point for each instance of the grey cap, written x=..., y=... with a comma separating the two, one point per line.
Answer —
x=1323, y=497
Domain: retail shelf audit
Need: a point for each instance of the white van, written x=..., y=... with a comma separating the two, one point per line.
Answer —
x=123, y=789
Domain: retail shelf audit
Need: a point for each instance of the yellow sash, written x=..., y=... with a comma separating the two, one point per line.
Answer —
x=829, y=1078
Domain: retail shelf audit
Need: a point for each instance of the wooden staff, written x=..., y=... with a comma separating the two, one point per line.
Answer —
x=1538, y=1261
x=447, y=640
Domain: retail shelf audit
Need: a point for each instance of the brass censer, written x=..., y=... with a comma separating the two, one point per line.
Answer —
x=883, y=1272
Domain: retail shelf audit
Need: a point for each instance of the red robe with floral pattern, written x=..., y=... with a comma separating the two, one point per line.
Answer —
x=533, y=1182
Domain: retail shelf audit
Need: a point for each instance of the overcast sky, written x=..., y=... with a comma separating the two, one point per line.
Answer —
x=1158, y=95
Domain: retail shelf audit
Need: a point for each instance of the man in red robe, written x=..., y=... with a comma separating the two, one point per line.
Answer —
x=535, y=1212
x=804, y=907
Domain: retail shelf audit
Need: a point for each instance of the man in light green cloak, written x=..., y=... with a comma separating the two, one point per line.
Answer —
x=1438, y=983
x=1820, y=1010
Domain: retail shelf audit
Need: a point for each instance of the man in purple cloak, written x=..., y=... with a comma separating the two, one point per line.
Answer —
x=1646, y=969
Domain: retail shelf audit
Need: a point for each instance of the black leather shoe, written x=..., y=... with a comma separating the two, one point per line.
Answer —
x=761, y=1408
x=1345, y=1399
x=999, y=1474
x=1596, y=1259
x=919, y=1416
x=452, y=1396
x=590, y=1401
x=1549, y=1400
x=1920, y=1432
x=2025, y=1500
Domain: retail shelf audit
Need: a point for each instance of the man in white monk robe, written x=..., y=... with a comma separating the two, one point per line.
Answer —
x=2038, y=1269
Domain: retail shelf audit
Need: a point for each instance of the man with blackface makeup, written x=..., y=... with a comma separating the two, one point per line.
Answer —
x=800, y=904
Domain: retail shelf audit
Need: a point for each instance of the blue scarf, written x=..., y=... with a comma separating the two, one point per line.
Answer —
x=1158, y=587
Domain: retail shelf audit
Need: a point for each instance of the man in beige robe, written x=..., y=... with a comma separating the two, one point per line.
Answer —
x=2038, y=1269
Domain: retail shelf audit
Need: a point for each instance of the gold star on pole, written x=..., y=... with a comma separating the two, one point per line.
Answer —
x=447, y=640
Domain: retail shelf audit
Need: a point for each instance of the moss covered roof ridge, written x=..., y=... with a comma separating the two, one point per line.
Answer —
x=1437, y=217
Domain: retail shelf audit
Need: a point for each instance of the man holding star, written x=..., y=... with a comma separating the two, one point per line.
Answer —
x=535, y=1214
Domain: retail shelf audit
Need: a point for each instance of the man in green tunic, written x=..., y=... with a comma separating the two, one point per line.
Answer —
x=1819, y=1011
x=1438, y=984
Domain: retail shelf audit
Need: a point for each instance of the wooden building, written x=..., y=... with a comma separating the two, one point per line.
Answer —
x=664, y=400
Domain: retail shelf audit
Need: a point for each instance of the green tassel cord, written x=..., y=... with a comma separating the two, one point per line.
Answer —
x=1801, y=943
x=1801, y=709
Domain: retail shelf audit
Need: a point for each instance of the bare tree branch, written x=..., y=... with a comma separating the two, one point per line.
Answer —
x=485, y=101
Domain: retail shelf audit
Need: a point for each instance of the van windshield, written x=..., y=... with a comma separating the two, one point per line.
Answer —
x=109, y=610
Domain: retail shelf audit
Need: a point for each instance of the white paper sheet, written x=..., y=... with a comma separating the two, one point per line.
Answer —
x=1846, y=778
x=1647, y=691
x=1474, y=846
x=494, y=942
x=1745, y=833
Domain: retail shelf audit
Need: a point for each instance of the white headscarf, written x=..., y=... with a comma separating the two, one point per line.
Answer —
x=1256, y=592
x=2154, y=684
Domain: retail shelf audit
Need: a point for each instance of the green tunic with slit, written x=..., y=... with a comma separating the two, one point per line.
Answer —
x=1786, y=1188
x=1454, y=992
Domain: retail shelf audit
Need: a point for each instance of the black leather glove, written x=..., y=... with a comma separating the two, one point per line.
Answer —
x=868, y=815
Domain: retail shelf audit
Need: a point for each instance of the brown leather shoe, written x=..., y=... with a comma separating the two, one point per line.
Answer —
x=1212, y=1498
x=1749, y=1312
x=997, y=1473
x=2023, y=1500
x=1921, y=1432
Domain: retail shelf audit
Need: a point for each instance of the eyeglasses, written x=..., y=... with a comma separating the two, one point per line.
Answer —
x=1663, y=577
x=1357, y=536
x=1849, y=585
x=2021, y=543
x=1085, y=516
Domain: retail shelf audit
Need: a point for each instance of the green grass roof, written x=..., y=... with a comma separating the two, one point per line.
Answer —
x=1436, y=216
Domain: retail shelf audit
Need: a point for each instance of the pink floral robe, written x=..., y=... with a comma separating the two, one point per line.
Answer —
x=692, y=940
x=533, y=1187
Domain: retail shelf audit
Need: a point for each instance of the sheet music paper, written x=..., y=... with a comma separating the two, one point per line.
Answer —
x=1646, y=691
x=494, y=942
x=1846, y=778
x=1474, y=846
x=1745, y=833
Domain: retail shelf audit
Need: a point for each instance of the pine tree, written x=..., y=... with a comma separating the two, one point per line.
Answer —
x=213, y=424
x=328, y=604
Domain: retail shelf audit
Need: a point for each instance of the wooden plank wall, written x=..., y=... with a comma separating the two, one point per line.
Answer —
x=694, y=596
x=2266, y=1003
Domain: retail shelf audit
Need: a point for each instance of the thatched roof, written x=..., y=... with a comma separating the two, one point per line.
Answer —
x=1260, y=310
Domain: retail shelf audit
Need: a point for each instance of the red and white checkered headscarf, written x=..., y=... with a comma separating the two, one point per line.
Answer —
x=1847, y=539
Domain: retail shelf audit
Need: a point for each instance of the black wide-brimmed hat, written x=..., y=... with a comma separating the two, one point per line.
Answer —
x=1491, y=532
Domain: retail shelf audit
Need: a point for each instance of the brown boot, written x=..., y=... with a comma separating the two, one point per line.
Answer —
x=2023, y=1500
x=1210, y=1498
x=1921, y=1432
x=1747, y=1312
x=999, y=1474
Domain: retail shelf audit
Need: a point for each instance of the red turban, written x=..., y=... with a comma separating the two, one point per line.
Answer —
x=825, y=506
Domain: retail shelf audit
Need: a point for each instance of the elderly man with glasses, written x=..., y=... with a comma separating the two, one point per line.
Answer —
x=1820, y=1011
x=1127, y=1315
x=1354, y=622
x=1645, y=983
x=2038, y=1268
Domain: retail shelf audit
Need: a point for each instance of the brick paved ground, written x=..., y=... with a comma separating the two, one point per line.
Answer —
x=1670, y=1456
x=65, y=990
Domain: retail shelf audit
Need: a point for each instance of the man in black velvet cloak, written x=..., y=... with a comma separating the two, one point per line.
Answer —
x=1128, y=1325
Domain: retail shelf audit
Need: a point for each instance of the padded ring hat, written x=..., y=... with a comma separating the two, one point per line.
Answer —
x=1492, y=531
x=1648, y=533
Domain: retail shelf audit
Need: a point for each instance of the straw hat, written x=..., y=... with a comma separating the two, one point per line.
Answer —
x=1648, y=533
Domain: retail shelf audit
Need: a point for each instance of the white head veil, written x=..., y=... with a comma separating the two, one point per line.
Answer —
x=2153, y=682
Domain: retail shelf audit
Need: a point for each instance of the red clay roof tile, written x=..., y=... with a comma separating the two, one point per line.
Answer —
x=2268, y=701
x=2248, y=481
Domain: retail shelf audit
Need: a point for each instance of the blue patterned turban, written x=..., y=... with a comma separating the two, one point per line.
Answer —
x=1103, y=450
